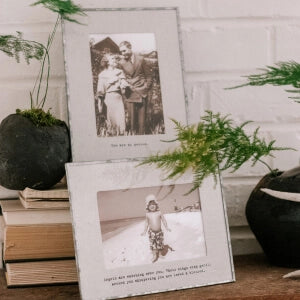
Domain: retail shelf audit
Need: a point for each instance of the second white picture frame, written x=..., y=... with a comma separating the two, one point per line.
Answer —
x=124, y=247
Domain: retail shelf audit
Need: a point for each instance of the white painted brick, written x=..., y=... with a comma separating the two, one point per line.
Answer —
x=20, y=12
x=11, y=99
x=56, y=102
x=285, y=160
x=187, y=8
x=248, y=170
x=11, y=69
x=225, y=49
x=259, y=104
x=197, y=97
x=16, y=11
x=236, y=196
x=18, y=97
x=252, y=8
x=287, y=43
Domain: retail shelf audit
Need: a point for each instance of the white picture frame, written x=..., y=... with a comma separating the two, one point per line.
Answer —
x=165, y=99
x=108, y=210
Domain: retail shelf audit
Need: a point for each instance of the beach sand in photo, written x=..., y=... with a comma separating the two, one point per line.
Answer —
x=124, y=246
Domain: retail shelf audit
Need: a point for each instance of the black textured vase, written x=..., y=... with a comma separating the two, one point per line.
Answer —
x=276, y=222
x=32, y=156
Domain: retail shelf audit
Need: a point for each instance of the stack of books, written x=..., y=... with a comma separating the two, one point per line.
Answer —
x=38, y=241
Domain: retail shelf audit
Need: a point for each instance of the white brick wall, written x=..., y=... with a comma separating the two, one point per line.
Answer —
x=224, y=49
x=222, y=40
x=287, y=46
x=254, y=8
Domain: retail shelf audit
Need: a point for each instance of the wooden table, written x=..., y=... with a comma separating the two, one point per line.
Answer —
x=255, y=279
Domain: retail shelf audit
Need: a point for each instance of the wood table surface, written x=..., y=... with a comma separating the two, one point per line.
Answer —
x=255, y=279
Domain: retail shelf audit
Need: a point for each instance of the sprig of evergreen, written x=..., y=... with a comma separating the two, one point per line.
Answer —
x=212, y=145
x=65, y=8
x=283, y=73
x=14, y=45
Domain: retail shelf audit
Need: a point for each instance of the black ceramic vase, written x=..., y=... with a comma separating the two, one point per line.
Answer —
x=276, y=222
x=32, y=156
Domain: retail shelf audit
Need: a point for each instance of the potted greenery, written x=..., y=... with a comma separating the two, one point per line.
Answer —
x=273, y=208
x=214, y=145
x=34, y=145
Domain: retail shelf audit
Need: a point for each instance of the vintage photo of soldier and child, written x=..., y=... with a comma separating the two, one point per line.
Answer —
x=150, y=225
x=126, y=84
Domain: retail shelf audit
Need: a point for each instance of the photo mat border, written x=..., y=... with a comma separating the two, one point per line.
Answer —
x=148, y=144
x=85, y=181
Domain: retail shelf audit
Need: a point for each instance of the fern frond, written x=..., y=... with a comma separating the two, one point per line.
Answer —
x=65, y=8
x=283, y=73
x=15, y=45
x=212, y=145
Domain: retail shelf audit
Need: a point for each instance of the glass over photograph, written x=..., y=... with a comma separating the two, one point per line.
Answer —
x=150, y=225
x=126, y=84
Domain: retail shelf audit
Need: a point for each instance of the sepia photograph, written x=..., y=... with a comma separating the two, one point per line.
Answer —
x=126, y=84
x=150, y=225
x=137, y=233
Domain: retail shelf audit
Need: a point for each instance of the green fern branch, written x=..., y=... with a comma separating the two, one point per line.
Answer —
x=65, y=8
x=15, y=45
x=283, y=73
x=212, y=145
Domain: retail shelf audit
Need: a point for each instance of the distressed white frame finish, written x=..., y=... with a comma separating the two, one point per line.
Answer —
x=163, y=22
x=85, y=180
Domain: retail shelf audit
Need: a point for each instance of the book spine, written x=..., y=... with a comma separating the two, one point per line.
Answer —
x=48, y=216
x=34, y=242
x=2, y=226
x=41, y=273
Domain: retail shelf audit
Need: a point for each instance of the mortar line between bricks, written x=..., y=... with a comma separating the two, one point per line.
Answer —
x=199, y=21
x=55, y=80
x=218, y=75
x=261, y=21
x=242, y=179
x=28, y=27
x=277, y=126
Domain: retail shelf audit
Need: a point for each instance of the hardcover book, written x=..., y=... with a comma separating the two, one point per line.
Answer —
x=14, y=213
x=34, y=242
x=41, y=273
x=59, y=191
x=44, y=203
